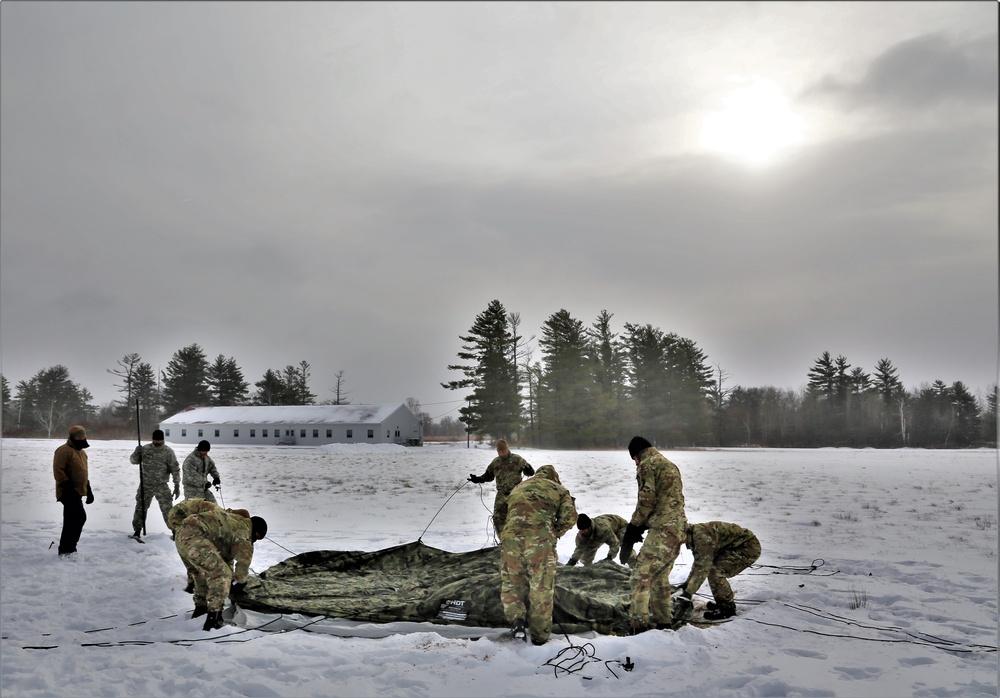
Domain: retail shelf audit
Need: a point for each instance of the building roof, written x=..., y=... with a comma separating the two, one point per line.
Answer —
x=285, y=414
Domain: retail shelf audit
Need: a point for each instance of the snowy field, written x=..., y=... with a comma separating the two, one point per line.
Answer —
x=878, y=578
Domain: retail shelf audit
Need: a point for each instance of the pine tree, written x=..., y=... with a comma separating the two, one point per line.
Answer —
x=52, y=401
x=271, y=389
x=494, y=405
x=185, y=380
x=566, y=403
x=226, y=383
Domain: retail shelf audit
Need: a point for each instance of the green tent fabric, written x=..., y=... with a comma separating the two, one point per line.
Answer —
x=415, y=582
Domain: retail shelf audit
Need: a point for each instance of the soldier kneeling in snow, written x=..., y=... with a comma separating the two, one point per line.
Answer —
x=604, y=529
x=721, y=550
x=209, y=543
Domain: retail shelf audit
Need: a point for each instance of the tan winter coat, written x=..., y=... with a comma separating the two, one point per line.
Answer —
x=70, y=463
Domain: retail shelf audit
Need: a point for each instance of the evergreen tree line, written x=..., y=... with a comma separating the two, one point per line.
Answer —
x=49, y=402
x=594, y=388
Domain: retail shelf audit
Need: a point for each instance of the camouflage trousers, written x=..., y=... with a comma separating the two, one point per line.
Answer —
x=527, y=582
x=164, y=498
x=650, y=578
x=211, y=573
x=729, y=563
x=500, y=512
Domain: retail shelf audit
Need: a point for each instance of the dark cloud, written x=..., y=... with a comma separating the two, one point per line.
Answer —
x=921, y=72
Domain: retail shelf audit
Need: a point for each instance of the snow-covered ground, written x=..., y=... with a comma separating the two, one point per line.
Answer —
x=902, y=601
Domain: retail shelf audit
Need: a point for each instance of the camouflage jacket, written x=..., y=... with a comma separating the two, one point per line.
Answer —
x=540, y=507
x=159, y=464
x=197, y=470
x=605, y=529
x=706, y=541
x=186, y=508
x=661, y=496
x=70, y=463
x=506, y=471
x=229, y=533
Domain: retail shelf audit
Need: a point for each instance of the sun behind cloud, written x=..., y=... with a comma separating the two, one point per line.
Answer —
x=755, y=123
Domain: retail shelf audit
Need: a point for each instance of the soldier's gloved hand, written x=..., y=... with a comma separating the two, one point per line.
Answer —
x=238, y=587
x=528, y=470
x=571, y=562
x=625, y=553
x=474, y=478
x=208, y=485
x=633, y=535
x=90, y=495
x=177, y=490
x=216, y=481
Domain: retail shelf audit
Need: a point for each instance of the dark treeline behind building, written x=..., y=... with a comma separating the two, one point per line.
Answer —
x=590, y=388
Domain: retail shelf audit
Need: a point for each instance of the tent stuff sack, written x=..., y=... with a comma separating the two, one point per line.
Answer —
x=417, y=583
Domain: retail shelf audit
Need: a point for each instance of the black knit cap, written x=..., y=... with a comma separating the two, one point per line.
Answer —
x=158, y=435
x=204, y=446
x=583, y=522
x=258, y=526
x=637, y=445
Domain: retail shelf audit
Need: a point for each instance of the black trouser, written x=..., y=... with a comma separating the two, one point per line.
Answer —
x=74, y=516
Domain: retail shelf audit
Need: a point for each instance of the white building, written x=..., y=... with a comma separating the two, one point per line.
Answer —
x=299, y=425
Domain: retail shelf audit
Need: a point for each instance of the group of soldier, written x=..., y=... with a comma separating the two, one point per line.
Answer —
x=532, y=515
x=210, y=540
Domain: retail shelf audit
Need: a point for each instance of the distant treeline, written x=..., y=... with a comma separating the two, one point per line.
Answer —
x=592, y=388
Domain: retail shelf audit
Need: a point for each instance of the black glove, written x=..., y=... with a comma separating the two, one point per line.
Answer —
x=238, y=587
x=208, y=485
x=571, y=562
x=216, y=481
x=90, y=494
x=625, y=553
x=528, y=470
x=633, y=535
x=474, y=478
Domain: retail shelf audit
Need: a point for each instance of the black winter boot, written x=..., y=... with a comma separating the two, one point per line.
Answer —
x=199, y=611
x=721, y=611
x=213, y=621
x=517, y=630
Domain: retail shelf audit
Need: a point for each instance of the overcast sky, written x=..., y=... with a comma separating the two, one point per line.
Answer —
x=350, y=184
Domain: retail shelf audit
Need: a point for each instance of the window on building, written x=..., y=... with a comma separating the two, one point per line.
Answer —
x=253, y=433
x=329, y=433
x=236, y=432
x=387, y=433
x=397, y=433
x=350, y=433
x=184, y=432
x=371, y=433
x=302, y=433
x=263, y=433
x=216, y=432
x=199, y=433
x=315, y=433
x=167, y=432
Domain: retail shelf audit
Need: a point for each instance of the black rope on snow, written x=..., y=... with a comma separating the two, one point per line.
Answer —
x=581, y=657
x=787, y=569
x=440, y=509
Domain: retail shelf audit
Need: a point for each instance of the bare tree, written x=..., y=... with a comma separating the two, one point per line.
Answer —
x=339, y=394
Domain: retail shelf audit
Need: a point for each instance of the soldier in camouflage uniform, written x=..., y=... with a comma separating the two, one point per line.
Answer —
x=506, y=468
x=604, y=529
x=209, y=543
x=197, y=467
x=660, y=511
x=721, y=550
x=541, y=510
x=158, y=464
x=176, y=516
